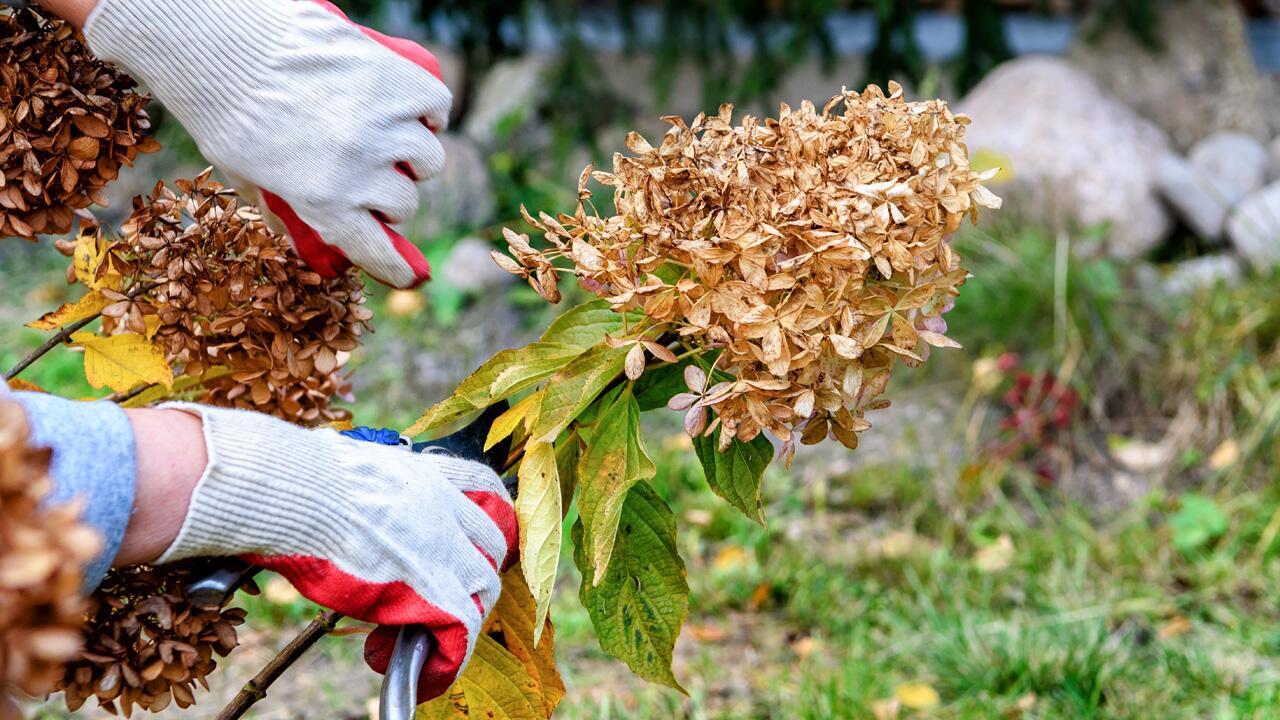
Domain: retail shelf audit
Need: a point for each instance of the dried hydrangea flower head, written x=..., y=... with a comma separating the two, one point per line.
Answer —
x=809, y=253
x=227, y=296
x=68, y=121
x=147, y=644
x=42, y=556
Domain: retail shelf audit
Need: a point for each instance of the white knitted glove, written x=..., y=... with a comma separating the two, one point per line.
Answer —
x=331, y=121
x=372, y=531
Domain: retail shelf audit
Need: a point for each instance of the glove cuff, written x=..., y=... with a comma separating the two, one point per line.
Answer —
x=264, y=488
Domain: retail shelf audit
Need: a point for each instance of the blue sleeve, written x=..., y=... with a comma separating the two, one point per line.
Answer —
x=93, y=460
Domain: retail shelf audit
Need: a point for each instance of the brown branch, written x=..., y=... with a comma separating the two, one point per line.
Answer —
x=127, y=396
x=48, y=345
x=66, y=332
x=256, y=689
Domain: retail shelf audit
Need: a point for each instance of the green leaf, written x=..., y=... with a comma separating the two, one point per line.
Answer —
x=505, y=374
x=571, y=390
x=538, y=511
x=735, y=474
x=643, y=600
x=613, y=461
x=655, y=387
x=516, y=370
x=568, y=448
x=1198, y=522
x=583, y=326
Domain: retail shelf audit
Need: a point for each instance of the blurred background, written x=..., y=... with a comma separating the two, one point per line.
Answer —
x=1076, y=516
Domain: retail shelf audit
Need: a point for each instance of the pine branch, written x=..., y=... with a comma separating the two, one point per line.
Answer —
x=256, y=689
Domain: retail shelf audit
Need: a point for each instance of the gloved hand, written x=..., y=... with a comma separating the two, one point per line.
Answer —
x=331, y=121
x=375, y=532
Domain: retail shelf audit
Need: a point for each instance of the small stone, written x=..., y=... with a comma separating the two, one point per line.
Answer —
x=1191, y=275
x=1273, y=161
x=470, y=267
x=1231, y=164
x=1191, y=196
x=1254, y=228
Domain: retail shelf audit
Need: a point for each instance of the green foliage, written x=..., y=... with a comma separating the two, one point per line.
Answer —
x=736, y=473
x=896, y=55
x=639, y=606
x=574, y=387
x=1198, y=522
x=613, y=461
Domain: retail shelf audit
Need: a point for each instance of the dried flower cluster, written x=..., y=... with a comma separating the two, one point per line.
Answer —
x=809, y=252
x=225, y=292
x=68, y=122
x=147, y=643
x=42, y=555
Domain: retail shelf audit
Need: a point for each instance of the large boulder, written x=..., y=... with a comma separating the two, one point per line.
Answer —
x=1076, y=155
x=461, y=196
x=1254, y=228
x=1202, y=81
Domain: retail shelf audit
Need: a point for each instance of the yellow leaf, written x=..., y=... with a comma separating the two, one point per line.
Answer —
x=984, y=160
x=495, y=686
x=507, y=422
x=514, y=616
x=916, y=696
x=122, y=362
x=20, y=385
x=90, y=251
x=1225, y=455
x=508, y=678
x=995, y=557
x=85, y=307
x=539, y=514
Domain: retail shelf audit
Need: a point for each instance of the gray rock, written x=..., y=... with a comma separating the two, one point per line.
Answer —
x=1232, y=164
x=513, y=89
x=1254, y=228
x=1077, y=155
x=469, y=267
x=1191, y=275
x=1191, y=196
x=1203, y=81
x=1273, y=161
x=461, y=196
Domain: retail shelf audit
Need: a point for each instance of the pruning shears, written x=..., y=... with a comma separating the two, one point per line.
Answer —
x=414, y=643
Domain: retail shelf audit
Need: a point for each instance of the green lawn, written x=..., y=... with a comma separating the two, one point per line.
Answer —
x=1007, y=595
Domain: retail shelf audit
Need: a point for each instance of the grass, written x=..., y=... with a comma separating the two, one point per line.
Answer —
x=1009, y=597
x=1086, y=620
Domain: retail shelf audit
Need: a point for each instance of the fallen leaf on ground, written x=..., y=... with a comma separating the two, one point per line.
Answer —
x=995, y=557
x=917, y=695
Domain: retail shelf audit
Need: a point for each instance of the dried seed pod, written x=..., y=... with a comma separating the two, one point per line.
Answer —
x=42, y=555
x=810, y=252
x=228, y=300
x=68, y=121
x=147, y=643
